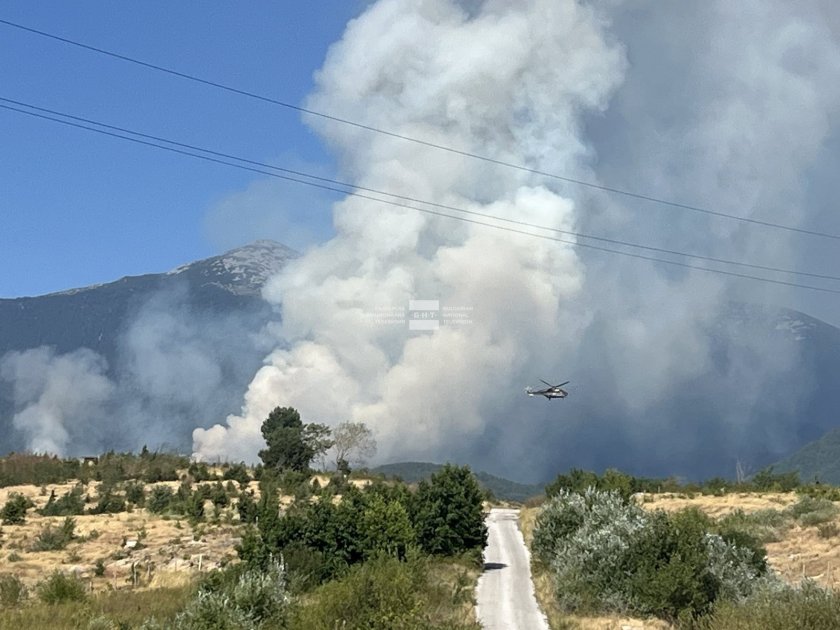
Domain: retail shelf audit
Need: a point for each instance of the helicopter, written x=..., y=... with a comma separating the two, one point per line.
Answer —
x=552, y=391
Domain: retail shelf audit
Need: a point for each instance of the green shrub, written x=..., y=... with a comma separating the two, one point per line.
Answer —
x=247, y=507
x=14, y=512
x=764, y=525
x=669, y=568
x=778, y=608
x=218, y=495
x=307, y=568
x=448, y=512
x=160, y=500
x=386, y=528
x=606, y=554
x=12, y=591
x=828, y=530
x=162, y=471
x=135, y=493
x=238, y=598
x=108, y=503
x=820, y=517
x=382, y=593
x=52, y=538
x=809, y=505
x=59, y=587
x=194, y=507
x=766, y=480
x=237, y=472
x=70, y=504
x=594, y=532
x=199, y=471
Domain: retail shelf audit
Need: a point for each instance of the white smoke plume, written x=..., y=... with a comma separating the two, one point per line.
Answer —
x=174, y=366
x=509, y=81
x=56, y=395
x=723, y=104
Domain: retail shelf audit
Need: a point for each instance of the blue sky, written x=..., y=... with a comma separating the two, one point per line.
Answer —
x=77, y=208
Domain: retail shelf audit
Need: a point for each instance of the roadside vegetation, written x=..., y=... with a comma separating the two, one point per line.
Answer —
x=599, y=549
x=312, y=550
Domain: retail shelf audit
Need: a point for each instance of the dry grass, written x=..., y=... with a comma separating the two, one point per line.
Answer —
x=718, y=506
x=165, y=546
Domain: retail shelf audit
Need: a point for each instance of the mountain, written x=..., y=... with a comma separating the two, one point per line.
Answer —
x=505, y=489
x=819, y=459
x=200, y=321
x=147, y=359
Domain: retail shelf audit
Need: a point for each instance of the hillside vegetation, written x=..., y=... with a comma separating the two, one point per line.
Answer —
x=94, y=544
x=499, y=487
x=713, y=559
x=819, y=460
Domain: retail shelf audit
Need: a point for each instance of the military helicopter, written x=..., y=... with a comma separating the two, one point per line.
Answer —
x=552, y=391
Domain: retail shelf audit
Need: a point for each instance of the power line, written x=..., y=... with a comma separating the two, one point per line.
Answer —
x=336, y=188
x=602, y=239
x=434, y=145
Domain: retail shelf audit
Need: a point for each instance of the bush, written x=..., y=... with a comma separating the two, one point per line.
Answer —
x=608, y=554
x=584, y=539
x=382, y=593
x=55, y=538
x=808, y=505
x=670, y=568
x=162, y=471
x=448, y=513
x=247, y=508
x=12, y=591
x=108, y=503
x=766, y=480
x=70, y=504
x=61, y=588
x=14, y=512
x=135, y=493
x=238, y=598
x=386, y=528
x=218, y=495
x=764, y=525
x=828, y=530
x=778, y=607
x=160, y=499
x=199, y=471
x=237, y=472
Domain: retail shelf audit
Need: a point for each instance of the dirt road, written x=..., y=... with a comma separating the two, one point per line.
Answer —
x=505, y=593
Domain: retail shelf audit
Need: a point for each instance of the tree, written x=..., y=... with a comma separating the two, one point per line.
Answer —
x=14, y=512
x=291, y=444
x=354, y=442
x=448, y=512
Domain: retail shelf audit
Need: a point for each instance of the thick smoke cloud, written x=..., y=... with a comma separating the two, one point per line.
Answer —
x=727, y=105
x=488, y=81
x=175, y=365
x=58, y=398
